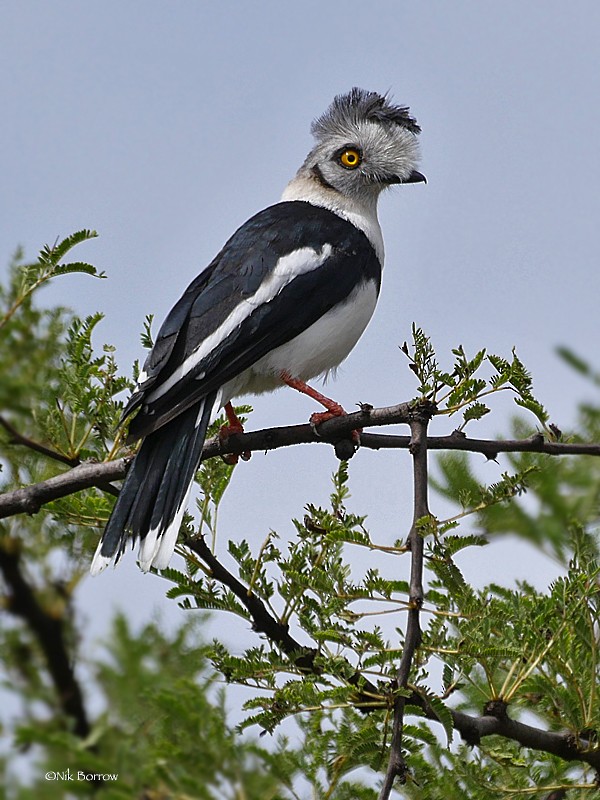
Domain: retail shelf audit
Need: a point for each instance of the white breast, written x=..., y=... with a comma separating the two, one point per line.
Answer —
x=314, y=352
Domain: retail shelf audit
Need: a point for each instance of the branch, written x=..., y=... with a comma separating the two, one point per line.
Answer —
x=336, y=429
x=49, y=631
x=55, y=455
x=30, y=499
x=473, y=729
x=18, y=438
x=488, y=447
x=264, y=622
x=563, y=745
x=397, y=767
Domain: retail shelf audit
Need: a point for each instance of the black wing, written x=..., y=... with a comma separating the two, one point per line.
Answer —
x=171, y=383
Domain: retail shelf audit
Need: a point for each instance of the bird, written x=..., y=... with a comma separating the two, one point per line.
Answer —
x=284, y=302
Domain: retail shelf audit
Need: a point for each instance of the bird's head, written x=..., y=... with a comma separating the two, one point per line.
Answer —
x=364, y=144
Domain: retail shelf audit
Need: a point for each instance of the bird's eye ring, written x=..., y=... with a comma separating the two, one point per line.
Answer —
x=350, y=158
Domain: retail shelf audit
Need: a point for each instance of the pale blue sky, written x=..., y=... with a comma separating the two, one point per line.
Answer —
x=164, y=125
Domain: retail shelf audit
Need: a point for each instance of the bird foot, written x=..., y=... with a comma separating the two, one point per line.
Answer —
x=322, y=416
x=231, y=427
x=333, y=409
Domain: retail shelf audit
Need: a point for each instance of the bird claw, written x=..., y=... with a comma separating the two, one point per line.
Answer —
x=227, y=430
x=319, y=417
x=231, y=459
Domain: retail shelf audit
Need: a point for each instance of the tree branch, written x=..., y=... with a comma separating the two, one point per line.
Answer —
x=18, y=438
x=30, y=499
x=337, y=428
x=397, y=767
x=563, y=745
x=264, y=622
x=49, y=631
x=473, y=729
x=487, y=447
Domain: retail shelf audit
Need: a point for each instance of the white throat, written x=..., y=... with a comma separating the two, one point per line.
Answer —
x=362, y=213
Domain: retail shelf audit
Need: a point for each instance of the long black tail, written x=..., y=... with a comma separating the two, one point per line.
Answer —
x=155, y=491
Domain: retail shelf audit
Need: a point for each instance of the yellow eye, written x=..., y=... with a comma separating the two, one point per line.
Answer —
x=350, y=158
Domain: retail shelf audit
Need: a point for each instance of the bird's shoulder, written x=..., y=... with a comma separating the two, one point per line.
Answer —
x=281, y=229
x=254, y=250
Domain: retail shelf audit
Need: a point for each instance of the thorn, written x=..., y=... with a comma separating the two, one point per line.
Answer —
x=556, y=431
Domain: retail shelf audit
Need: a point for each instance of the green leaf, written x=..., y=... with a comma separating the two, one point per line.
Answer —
x=146, y=335
x=52, y=255
x=441, y=711
x=475, y=411
x=534, y=406
x=78, y=266
x=454, y=544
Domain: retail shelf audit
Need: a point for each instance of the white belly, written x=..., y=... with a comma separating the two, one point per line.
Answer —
x=316, y=351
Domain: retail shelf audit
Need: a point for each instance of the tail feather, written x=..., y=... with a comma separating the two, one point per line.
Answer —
x=155, y=492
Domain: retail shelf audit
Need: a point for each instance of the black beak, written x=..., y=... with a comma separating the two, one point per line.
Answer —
x=414, y=177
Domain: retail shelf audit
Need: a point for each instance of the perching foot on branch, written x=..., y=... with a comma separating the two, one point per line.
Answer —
x=346, y=448
x=231, y=427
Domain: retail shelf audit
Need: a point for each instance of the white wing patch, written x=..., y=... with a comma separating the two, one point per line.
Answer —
x=299, y=262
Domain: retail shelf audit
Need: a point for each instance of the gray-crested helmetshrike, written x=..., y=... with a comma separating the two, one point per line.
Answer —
x=285, y=300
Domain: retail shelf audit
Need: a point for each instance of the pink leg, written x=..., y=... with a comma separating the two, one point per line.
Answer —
x=333, y=409
x=232, y=426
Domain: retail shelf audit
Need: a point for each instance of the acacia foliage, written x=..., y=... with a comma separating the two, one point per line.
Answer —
x=327, y=603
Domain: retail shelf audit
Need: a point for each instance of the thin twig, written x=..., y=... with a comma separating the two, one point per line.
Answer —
x=18, y=438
